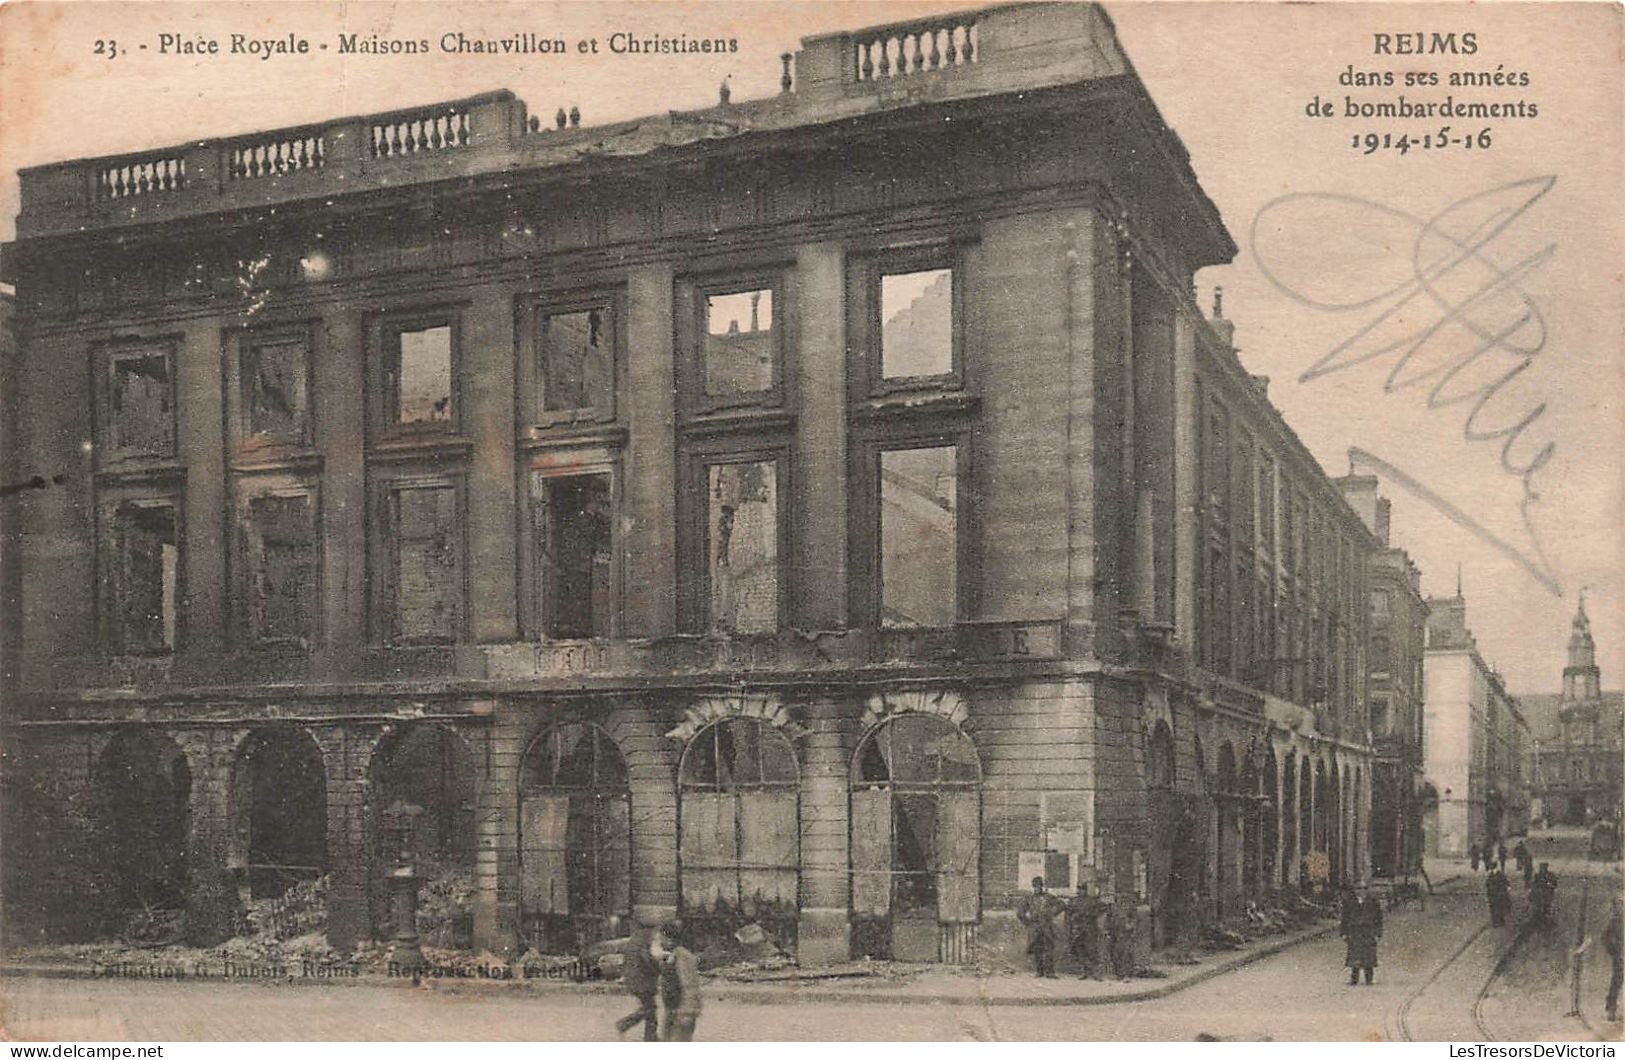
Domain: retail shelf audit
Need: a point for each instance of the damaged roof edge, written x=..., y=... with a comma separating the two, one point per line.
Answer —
x=1020, y=49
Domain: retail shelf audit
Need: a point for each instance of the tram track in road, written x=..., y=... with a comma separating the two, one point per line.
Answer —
x=1571, y=867
x=1496, y=971
x=1406, y=1023
x=1404, y=1015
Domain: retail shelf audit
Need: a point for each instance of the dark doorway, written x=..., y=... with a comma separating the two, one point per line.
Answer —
x=142, y=788
x=575, y=838
x=280, y=802
x=427, y=766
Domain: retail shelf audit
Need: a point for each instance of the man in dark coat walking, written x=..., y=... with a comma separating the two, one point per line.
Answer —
x=1039, y=911
x=640, y=974
x=1542, y=893
x=1361, y=928
x=1499, y=891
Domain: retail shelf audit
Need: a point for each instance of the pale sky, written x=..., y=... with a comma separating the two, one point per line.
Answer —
x=1233, y=80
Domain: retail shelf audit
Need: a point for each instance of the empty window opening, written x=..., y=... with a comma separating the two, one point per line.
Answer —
x=428, y=565
x=919, y=536
x=282, y=564
x=147, y=581
x=142, y=410
x=575, y=531
x=423, y=375
x=273, y=389
x=577, y=362
x=739, y=343
x=743, y=541
x=916, y=314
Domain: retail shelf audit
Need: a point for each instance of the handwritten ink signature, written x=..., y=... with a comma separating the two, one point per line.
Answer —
x=1456, y=305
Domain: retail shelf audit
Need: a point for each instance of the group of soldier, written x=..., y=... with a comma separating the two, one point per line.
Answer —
x=1093, y=929
x=1541, y=886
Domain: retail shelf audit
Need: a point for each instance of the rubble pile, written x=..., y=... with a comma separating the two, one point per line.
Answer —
x=300, y=910
x=446, y=906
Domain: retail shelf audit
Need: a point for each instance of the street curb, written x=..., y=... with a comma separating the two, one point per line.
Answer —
x=1148, y=994
x=764, y=994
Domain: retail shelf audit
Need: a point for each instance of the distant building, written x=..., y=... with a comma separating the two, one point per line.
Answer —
x=1396, y=640
x=1576, y=752
x=1473, y=741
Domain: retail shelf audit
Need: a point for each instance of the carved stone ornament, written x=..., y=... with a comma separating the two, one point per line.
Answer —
x=715, y=708
x=944, y=703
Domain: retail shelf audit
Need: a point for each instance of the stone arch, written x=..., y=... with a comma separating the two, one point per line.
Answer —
x=426, y=765
x=1250, y=821
x=142, y=788
x=1172, y=868
x=575, y=837
x=1289, y=819
x=1322, y=804
x=279, y=809
x=739, y=830
x=1270, y=818
x=1205, y=827
x=943, y=702
x=1230, y=820
x=915, y=791
x=1306, y=812
x=1336, y=830
x=1427, y=806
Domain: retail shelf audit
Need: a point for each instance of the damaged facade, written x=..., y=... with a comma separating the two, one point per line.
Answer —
x=963, y=549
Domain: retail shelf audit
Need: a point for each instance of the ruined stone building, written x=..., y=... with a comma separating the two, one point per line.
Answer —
x=1474, y=741
x=824, y=512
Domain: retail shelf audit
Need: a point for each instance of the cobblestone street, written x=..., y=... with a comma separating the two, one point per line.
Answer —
x=1301, y=994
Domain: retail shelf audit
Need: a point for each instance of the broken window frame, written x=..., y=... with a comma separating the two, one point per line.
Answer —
x=108, y=357
x=532, y=378
x=866, y=546
x=385, y=578
x=239, y=386
x=251, y=553
x=901, y=261
x=693, y=327
x=117, y=512
x=861, y=785
x=604, y=790
x=535, y=571
x=694, y=547
x=692, y=784
x=387, y=331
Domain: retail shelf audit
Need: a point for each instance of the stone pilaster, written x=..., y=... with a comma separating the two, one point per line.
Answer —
x=213, y=908
x=822, y=936
x=347, y=755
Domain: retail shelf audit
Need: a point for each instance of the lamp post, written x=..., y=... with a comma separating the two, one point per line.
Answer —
x=400, y=824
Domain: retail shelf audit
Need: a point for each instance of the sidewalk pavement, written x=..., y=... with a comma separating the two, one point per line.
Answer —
x=849, y=984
